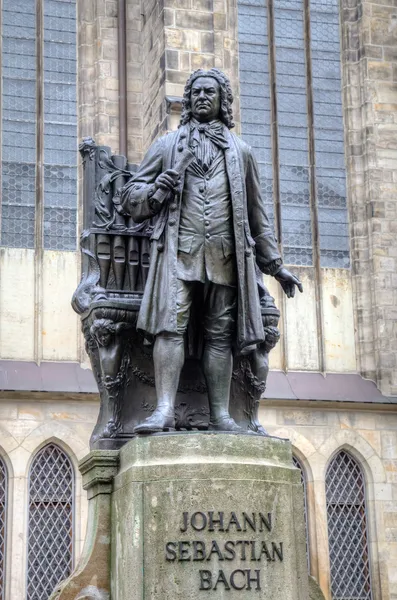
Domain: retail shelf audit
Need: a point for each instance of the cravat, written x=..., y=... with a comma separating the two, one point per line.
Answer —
x=203, y=138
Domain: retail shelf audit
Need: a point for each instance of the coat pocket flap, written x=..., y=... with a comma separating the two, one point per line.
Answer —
x=227, y=246
x=185, y=243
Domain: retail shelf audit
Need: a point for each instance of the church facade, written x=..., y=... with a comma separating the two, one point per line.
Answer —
x=315, y=84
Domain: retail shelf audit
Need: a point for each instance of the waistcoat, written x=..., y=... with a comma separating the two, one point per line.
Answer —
x=206, y=237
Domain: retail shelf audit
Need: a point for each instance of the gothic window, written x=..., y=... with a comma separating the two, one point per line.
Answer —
x=3, y=524
x=298, y=465
x=38, y=206
x=291, y=115
x=50, y=536
x=347, y=529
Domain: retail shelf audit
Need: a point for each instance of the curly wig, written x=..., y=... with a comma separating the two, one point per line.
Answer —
x=103, y=325
x=225, y=112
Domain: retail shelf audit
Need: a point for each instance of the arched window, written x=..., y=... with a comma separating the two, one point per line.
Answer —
x=38, y=127
x=347, y=529
x=291, y=115
x=298, y=465
x=50, y=537
x=3, y=524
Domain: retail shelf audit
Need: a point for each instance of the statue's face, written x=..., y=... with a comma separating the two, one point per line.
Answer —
x=205, y=99
x=104, y=337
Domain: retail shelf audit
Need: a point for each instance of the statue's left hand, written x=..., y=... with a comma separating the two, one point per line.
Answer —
x=288, y=282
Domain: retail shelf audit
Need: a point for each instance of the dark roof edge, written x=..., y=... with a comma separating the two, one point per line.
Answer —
x=70, y=377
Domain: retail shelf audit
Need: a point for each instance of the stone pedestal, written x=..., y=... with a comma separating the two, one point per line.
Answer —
x=189, y=515
x=213, y=515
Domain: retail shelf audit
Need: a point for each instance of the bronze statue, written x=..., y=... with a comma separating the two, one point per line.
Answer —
x=198, y=306
x=211, y=232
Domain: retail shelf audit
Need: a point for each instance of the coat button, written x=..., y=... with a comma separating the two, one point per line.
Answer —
x=207, y=223
x=207, y=235
x=160, y=247
x=201, y=189
x=171, y=222
x=207, y=201
x=173, y=206
x=180, y=148
x=182, y=136
x=248, y=252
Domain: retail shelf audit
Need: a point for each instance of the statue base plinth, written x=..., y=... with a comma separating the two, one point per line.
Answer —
x=193, y=512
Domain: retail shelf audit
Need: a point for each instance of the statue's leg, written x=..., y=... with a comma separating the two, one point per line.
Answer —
x=168, y=359
x=219, y=328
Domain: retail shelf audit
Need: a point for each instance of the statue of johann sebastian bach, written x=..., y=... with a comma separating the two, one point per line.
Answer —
x=210, y=237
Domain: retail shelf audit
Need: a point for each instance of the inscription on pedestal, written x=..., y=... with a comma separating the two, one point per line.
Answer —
x=225, y=549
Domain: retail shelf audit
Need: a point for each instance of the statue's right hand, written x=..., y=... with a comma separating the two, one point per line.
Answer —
x=167, y=181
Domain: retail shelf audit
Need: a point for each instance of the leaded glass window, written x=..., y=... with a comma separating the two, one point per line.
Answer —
x=50, y=537
x=298, y=465
x=39, y=125
x=60, y=126
x=3, y=525
x=19, y=107
x=347, y=529
x=291, y=114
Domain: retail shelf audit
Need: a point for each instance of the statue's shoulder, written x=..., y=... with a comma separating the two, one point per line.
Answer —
x=243, y=146
x=163, y=140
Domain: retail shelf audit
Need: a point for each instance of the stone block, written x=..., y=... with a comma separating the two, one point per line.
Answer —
x=174, y=38
x=190, y=513
x=315, y=592
x=200, y=21
x=207, y=42
x=109, y=50
x=202, y=61
x=380, y=70
x=220, y=21
x=389, y=444
x=172, y=59
x=390, y=53
x=205, y=5
x=169, y=17
x=183, y=4
x=185, y=63
x=220, y=6
x=111, y=9
x=384, y=11
x=177, y=76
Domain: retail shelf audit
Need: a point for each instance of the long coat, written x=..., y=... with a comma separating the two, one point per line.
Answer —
x=254, y=239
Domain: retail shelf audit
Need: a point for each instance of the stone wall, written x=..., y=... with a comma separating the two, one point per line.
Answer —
x=97, y=72
x=317, y=431
x=370, y=79
x=166, y=41
x=153, y=43
x=26, y=425
x=177, y=38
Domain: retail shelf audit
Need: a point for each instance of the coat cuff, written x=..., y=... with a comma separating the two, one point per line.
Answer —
x=273, y=267
x=154, y=204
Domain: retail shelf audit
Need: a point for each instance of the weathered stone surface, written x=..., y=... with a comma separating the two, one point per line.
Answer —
x=167, y=496
x=314, y=590
x=91, y=578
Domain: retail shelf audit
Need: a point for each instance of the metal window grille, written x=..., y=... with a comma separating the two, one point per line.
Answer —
x=347, y=530
x=50, y=538
x=39, y=125
x=3, y=525
x=298, y=465
x=291, y=114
